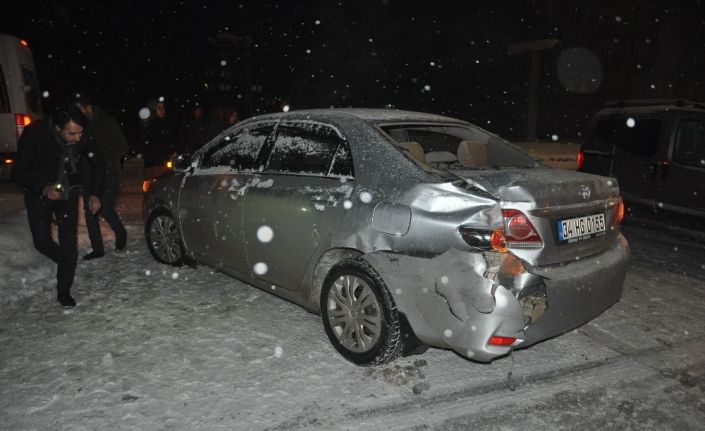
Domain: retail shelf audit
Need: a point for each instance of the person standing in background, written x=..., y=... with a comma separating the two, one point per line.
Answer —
x=194, y=131
x=113, y=146
x=53, y=162
x=159, y=140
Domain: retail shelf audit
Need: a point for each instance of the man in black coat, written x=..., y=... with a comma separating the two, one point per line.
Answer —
x=113, y=147
x=52, y=164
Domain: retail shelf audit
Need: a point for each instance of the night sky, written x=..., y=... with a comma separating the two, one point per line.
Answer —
x=448, y=57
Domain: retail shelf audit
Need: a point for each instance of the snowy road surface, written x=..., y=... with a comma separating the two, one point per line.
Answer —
x=150, y=347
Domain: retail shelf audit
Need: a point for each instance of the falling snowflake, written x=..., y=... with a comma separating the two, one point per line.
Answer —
x=365, y=197
x=260, y=268
x=223, y=63
x=45, y=94
x=144, y=113
x=554, y=138
x=631, y=122
x=174, y=275
x=444, y=279
x=265, y=234
x=448, y=333
x=278, y=352
x=148, y=272
x=427, y=87
x=347, y=204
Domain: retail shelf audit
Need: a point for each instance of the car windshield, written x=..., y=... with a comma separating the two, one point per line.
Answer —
x=456, y=147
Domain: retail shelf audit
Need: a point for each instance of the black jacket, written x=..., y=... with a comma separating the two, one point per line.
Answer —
x=109, y=138
x=39, y=154
x=159, y=141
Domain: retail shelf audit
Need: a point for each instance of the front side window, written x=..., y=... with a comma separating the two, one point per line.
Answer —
x=637, y=136
x=690, y=143
x=309, y=148
x=239, y=149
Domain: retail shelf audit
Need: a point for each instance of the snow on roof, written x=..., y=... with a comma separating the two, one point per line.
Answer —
x=365, y=114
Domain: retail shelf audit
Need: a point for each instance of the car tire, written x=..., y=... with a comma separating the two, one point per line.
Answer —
x=359, y=314
x=164, y=238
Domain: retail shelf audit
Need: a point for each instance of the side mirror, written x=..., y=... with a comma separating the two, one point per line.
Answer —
x=181, y=163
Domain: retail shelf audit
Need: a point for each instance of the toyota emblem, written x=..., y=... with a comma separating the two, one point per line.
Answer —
x=584, y=191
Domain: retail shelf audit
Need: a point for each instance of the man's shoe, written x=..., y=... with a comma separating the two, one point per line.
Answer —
x=120, y=242
x=66, y=300
x=93, y=255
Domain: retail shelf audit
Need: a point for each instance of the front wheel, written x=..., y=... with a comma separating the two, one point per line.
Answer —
x=163, y=238
x=359, y=314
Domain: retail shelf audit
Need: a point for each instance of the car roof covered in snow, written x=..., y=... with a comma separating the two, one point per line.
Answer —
x=365, y=114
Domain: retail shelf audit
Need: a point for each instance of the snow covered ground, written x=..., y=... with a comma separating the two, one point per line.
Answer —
x=150, y=347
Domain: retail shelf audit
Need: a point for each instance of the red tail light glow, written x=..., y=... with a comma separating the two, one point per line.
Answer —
x=581, y=158
x=496, y=340
x=519, y=232
x=619, y=213
x=21, y=120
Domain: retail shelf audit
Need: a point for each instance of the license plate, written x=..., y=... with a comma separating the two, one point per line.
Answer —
x=580, y=228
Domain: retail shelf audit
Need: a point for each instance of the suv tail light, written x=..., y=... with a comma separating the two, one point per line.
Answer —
x=581, y=158
x=21, y=120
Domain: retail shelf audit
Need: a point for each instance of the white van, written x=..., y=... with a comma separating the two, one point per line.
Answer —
x=20, y=101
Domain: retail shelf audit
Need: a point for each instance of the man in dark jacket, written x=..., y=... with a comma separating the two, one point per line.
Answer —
x=194, y=131
x=159, y=140
x=52, y=164
x=113, y=146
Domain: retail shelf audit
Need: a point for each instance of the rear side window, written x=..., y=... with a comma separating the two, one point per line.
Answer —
x=636, y=136
x=310, y=148
x=690, y=143
x=31, y=88
x=239, y=150
x=4, y=96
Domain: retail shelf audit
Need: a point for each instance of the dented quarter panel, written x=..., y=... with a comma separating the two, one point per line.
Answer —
x=449, y=303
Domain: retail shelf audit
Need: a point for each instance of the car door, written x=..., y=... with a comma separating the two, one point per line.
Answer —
x=295, y=203
x=682, y=181
x=212, y=197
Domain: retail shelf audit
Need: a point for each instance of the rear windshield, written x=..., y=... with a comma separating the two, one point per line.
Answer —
x=456, y=147
x=638, y=136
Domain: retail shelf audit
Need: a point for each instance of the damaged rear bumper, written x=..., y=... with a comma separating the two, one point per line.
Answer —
x=458, y=300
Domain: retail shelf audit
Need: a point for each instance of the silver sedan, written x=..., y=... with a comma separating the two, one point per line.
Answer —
x=403, y=230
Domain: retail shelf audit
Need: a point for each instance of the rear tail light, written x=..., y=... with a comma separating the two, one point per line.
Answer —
x=581, y=158
x=8, y=161
x=619, y=213
x=146, y=184
x=21, y=120
x=518, y=230
x=496, y=340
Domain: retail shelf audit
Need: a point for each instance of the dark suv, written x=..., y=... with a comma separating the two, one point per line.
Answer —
x=656, y=150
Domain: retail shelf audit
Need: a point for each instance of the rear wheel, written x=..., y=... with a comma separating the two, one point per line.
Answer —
x=163, y=238
x=359, y=314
